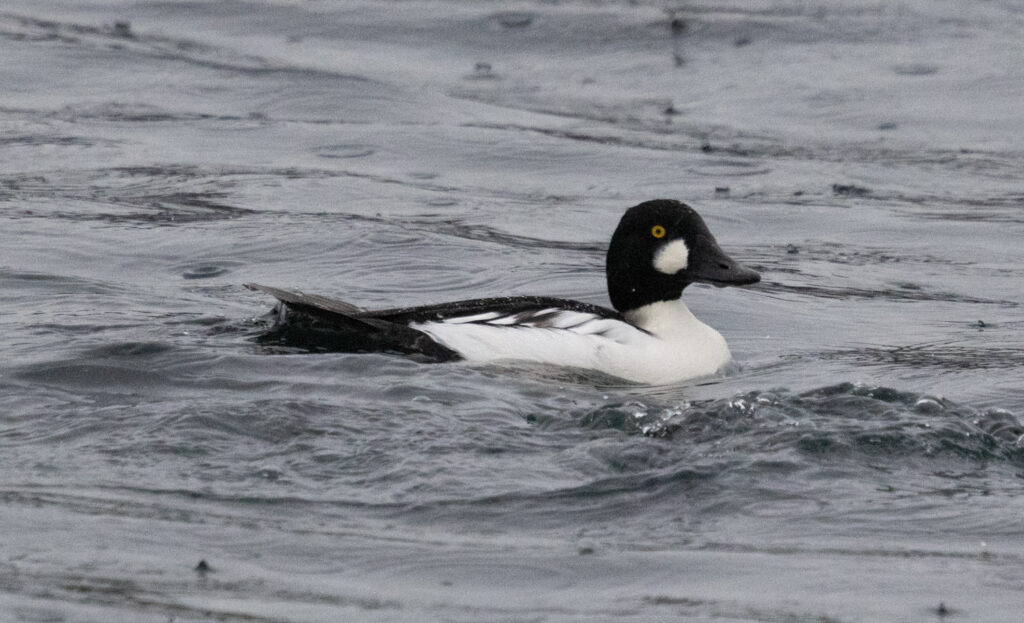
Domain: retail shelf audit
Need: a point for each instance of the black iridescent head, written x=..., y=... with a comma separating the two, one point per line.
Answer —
x=659, y=248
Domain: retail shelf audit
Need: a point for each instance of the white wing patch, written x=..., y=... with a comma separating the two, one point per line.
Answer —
x=484, y=317
x=582, y=323
x=549, y=335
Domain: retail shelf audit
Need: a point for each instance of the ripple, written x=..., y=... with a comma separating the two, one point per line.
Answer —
x=169, y=194
x=514, y=19
x=915, y=69
x=722, y=167
x=345, y=151
x=945, y=356
x=204, y=271
x=469, y=570
x=840, y=419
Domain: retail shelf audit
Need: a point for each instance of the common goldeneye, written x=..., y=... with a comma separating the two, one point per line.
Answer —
x=658, y=249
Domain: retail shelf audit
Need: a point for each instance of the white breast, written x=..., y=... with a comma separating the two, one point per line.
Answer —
x=672, y=345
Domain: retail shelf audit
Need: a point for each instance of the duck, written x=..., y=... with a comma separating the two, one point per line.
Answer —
x=649, y=336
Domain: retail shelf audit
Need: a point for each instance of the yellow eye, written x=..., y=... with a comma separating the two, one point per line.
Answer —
x=658, y=231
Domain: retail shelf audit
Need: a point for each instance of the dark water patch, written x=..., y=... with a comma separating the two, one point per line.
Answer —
x=172, y=505
x=53, y=284
x=514, y=19
x=690, y=139
x=641, y=125
x=721, y=167
x=104, y=379
x=941, y=355
x=23, y=28
x=102, y=590
x=749, y=150
x=486, y=233
x=482, y=70
x=210, y=429
x=188, y=208
x=837, y=420
x=411, y=182
x=589, y=137
x=158, y=191
x=850, y=190
x=867, y=551
x=196, y=208
x=345, y=151
x=88, y=331
x=879, y=273
x=128, y=350
x=424, y=175
x=704, y=608
x=915, y=69
x=36, y=140
x=136, y=112
x=894, y=292
x=1003, y=209
x=847, y=255
x=771, y=455
x=606, y=498
x=780, y=23
x=205, y=271
x=635, y=418
x=119, y=374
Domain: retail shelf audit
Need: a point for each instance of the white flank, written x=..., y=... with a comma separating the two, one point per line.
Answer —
x=673, y=345
x=672, y=258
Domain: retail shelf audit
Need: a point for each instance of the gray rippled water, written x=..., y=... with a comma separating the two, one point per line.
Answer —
x=862, y=461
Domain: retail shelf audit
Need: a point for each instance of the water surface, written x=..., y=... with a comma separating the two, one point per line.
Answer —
x=863, y=462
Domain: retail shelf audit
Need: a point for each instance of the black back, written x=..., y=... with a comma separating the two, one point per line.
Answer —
x=506, y=305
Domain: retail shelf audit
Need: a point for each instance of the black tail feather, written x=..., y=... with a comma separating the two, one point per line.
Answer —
x=323, y=324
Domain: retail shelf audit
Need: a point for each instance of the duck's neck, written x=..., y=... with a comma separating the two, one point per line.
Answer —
x=664, y=318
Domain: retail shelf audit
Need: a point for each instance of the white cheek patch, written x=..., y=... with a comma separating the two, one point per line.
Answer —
x=672, y=258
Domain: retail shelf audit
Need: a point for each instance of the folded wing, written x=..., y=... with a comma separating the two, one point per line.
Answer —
x=432, y=331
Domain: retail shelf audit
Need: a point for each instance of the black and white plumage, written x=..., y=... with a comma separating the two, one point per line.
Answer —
x=658, y=249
